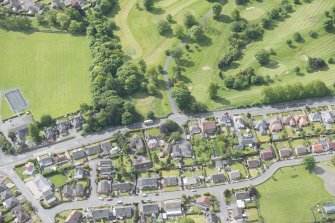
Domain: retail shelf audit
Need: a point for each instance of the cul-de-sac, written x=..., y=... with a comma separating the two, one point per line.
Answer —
x=176, y=111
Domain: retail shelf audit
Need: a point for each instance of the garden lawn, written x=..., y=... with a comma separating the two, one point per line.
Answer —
x=204, y=62
x=50, y=69
x=290, y=195
x=58, y=180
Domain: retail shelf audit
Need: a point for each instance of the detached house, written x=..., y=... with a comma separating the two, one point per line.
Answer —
x=78, y=154
x=284, y=153
x=301, y=150
x=234, y=175
x=63, y=127
x=172, y=207
x=225, y=120
x=147, y=183
x=328, y=117
x=149, y=209
x=170, y=181
x=289, y=120
x=239, y=122
x=261, y=126
x=218, y=178
x=204, y=202
x=21, y=214
x=123, y=212
x=194, y=129
x=315, y=117
x=275, y=125
x=253, y=163
x=93, y=150
x=137, y=143
x=77, y=122
x=104, y=187
x=302, y=120
x=208, y=127
x=267, y=154
x=317, y=148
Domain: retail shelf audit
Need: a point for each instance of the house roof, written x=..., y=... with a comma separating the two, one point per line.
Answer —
x=79, y=190
x=194, y=129
x=204, y=201
x=44, y=162
x=74, y=217
x=172, y=207
x=100, y=214
x=317, y=148
x=149, y=209
x=67, y=190
x=207, y=125
x=137, y=143
x=123, y=212
x=275, y=125
x=42, y=183
x=284, y=153
x=315, y=117
x=141, y=162
x=170, y=181
x=301, y=150
x=11, y=202
x=235, y=174
x=253, y=163
x=104, y=187
x=78, y=154
x=190, y=181
x=242, y=195
x=49, y=196
x=219, y=177
x=61, y=159
x=92, y=150
x=77, y=121
x=6, y=194
x=21, y=214
x=147, y=183
x=3, y=186
x=80, y=173
x=302, y=120
x=123, y=186
x=239, y=122
x=266, y=154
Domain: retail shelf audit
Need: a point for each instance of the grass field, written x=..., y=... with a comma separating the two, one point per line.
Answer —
x=290, y=194
x=306, y=17
x=58, y=180
x=51, y=70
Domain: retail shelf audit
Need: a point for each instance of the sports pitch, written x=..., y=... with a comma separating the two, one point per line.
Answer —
x=16, y=100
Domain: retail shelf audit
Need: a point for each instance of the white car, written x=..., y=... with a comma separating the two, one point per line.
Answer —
x=119, y=202
x=101, y=198
x=194, y=190
x=144, y=195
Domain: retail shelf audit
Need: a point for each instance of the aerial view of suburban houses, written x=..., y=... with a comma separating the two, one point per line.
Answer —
x=176, y=111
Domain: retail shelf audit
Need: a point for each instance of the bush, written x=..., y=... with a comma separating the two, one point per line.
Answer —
x=297, y=37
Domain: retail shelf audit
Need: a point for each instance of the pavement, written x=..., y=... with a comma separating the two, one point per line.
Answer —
x=327, y=174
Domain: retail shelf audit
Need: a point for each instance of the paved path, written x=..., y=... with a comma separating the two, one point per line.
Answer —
x=328, y=176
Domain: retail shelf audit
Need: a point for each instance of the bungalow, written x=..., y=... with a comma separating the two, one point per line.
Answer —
x=78, y=154
x=253, y=163
x=137, y=143
x=153, y=143
x=19, y=126
x=43, y=184
x=92, y=150
x=218, y=178
x=10, y=203
x=149, y=209
x=239, y=122
x=63, y=127
x=49, y=197
x=315, y=117
x=80, y=173
x=61, y=159
x=147, y=183
x=99, y=214
x=45, y=161
x=275, y=125
x=3, y=187
x=190, y=181
x=172, y=207
x=243, y=196
x=79, y=190
x=302, y=120
x=171, y=181
x=104, y=187
x=123, y=212
x=67, y=191
x=194, y=129
x=208, y=127
x=317, y=148
x=289, y=120
x=204, y=202
x=301, y=150
x=74, y=217
x=234, y=175
x=267, y=154
x=284, y=153
x=21, y=214
x=77, y=122
x=141, y=162
x=29, y=169
x=225, y=120
x=123, y=187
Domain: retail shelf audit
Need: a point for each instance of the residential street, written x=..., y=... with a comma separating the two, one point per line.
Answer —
x=7, y=163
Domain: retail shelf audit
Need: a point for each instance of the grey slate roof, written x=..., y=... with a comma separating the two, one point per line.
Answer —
x=170, y=181
x=150, y=209
x=147, y=183
x=92, y=150
x=78, y=154
x=123, y=212
x=123, y=186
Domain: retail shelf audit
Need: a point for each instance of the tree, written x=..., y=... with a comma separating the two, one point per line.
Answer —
x=189, y=20
x=186, y=220
x=196, y=33
x=77, y=27
x=212, y=90
x=63, y=20
x=235, y=15
x=168, y=127
x=309, y=163
x=179, y=32
x=127, y=118
x=177, y=54
x=227, y=193
x=315, y=63
x=169, y=18
x=297, y=37
x=152, y=90
x=253, y=191
x=46, y=121
x=148, y=4
x=328, y=24
x=217, y=8
x=12, y=136
x=175, y=136
x=164, y=28
x=151, y=115
x=262, y=57
x=182, y=95
x=34, y=133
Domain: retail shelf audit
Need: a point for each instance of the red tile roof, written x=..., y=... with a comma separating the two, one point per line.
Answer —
x=317, y=148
